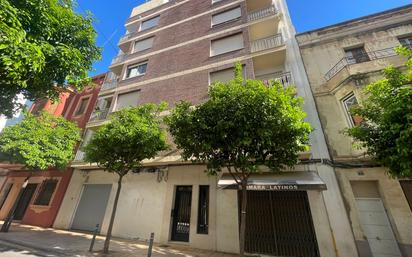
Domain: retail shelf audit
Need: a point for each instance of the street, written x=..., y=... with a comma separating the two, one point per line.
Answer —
x=13, y=250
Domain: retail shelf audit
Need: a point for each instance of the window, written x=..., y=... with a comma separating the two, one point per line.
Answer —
x=150, y=23
x=226, y=16
x=130, y=99
x=46, y=192
x=143, y=44
x=224, y=75
x=406, y=41
x=356, y=55
x=136, y=70
x=349, y=102
x=4, y=194
x=38, y=106
x=203, y=210
x=226, y=44
x=81, y=107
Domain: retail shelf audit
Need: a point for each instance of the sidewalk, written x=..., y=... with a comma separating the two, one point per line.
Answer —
x=69, y=243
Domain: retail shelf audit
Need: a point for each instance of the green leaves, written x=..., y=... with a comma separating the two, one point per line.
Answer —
x=42, y=43
x=134, y=134
x=386, y=132
x=244, y=124
x=40, y=142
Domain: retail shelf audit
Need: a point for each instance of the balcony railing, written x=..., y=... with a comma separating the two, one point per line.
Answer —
x=359, y=58
x=99, y=115
x=79, y=155
x=118, y=59
x=260, y=14
x=110, y=84
x=284, y=78
x=267, y=43
x=128, y=36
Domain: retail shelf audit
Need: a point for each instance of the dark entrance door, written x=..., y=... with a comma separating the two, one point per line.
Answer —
x=181, y=214
x=280, y=223
x=24, y=201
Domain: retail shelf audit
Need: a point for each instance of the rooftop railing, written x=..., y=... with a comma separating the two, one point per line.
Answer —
x=267, y=43
x=260, y=14
x=359, y=58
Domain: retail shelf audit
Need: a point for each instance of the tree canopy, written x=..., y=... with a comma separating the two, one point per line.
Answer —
x=40, y=142
x=386, y=131
x=133, y=134
x=43, y=45
x=243, y=124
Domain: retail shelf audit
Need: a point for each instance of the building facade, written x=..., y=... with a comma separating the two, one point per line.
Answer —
x=172, y=51
x=340, y=60
x=41, y=199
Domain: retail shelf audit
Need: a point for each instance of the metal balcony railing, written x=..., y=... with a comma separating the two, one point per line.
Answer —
x=118, y=59
x=267, y=43
x=284, y=78
x=79, y=155
x=128, y=36
x=110, y=84
x=359, y=58
x=260, y=14
x=99, y=115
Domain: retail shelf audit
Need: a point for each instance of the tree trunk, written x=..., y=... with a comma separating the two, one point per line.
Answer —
x=10, y=216
x=109, y=230
x=243, y=217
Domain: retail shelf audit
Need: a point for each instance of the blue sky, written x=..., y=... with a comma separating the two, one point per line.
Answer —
x=306, y=15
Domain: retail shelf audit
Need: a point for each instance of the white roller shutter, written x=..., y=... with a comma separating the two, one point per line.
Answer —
x=143, y=44
x=227, y=44
x=226, y=16
x=127, y=100
x=147, y=24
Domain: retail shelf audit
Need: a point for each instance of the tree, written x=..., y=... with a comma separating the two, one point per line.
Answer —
x=386, y=130
x=43, y=44
x=134, y=134
x=243, y=126
x=38, y=143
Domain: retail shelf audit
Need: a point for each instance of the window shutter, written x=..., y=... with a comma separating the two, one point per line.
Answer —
x=143, y=44
x=147, y=24
x=226, y=16
x=227, y=44
x=127, y=100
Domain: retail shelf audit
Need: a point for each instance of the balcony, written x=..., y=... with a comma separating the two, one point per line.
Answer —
x=284, y=78
x=99, y=115
x=107, y=85
x=263, y=13
x=366, y=60
x=79, y=156
x=266, y=43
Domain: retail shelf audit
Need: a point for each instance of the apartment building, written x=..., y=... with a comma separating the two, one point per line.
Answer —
x=42, y=197
x=172, y=51
x=340, y=60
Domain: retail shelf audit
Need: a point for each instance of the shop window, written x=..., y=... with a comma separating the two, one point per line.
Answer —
x=46, y=192
x=356, y=55
x=226, y=44
x=81, y=107
x=4, y=194
x=226, y=16
x=349, y=102
x=203, y=210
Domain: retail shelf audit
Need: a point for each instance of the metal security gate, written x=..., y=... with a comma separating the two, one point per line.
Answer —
x=279, y=223
x=181, y=214
x=92, y=207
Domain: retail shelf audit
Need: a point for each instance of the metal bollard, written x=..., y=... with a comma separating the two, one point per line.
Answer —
x=96, y=230
x=149, y=251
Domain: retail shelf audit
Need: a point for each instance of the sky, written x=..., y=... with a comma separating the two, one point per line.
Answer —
x=306, y=15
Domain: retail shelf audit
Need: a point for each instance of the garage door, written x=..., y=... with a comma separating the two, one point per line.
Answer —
x=92, y=207
x=376, y=227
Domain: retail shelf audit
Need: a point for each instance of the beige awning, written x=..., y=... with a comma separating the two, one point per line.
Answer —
x=283, y=181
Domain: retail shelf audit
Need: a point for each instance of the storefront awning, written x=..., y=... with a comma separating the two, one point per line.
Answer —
x=284, y=181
